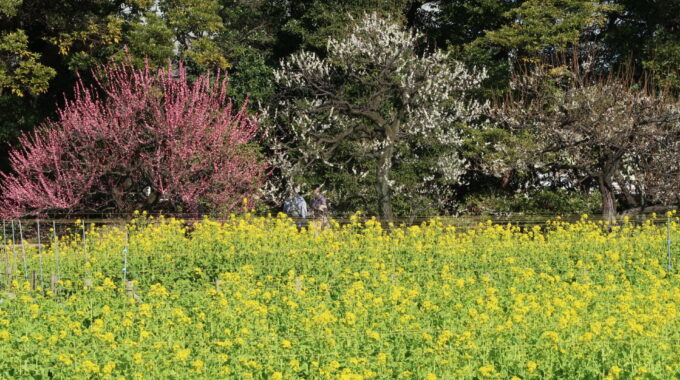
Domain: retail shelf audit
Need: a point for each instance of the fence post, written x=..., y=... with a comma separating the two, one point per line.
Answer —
x=4, y=248
x=125, y=253
x=668, y=245
x=56, y=248
x=40, y=258
x=87, y=260
x=88, y=279
x=130, y=289
x=298, y=284
x=53, y=283
x=23, y=250
x=14, y=250
x=8, y=275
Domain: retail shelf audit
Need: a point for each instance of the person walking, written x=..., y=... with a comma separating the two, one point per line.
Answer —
x=319, y=207
x=296, y=208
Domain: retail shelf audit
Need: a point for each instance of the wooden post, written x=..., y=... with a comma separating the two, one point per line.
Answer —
x=129, y=288
x=298, y=284
x=56, y=248
x=53, y=283
x=40, y=257
x=88, y=283
x=33, y=280
x=218, y=283
x=14, y=249
x=669, y=267
x=23, y=250
x=5, y=254
x=8, y=271
x=125, y=255
x=87, y=259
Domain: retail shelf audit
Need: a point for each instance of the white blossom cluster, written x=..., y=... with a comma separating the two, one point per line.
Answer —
x=376, y=89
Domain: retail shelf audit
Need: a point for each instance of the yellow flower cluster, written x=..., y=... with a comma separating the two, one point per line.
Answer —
x=254, y=298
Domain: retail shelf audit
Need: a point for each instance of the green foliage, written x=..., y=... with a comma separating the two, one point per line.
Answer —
x=463, y=21
x=8, y=8
x=539, y=25
x=538, y=201
x=646, y=32
x=17, y=116
x=663, y=59
x=195, y=24
x=20, y=69
x=152, y=40
x=251, y=78
x=312, y=21
x=205, y=55
x=83, y=47
x=192, y=17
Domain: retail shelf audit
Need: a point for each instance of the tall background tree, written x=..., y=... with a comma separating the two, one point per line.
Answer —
x=372, y=104
x=590, y=124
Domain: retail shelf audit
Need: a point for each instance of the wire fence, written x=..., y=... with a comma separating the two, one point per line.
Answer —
x=41, y=236
x=463, y=218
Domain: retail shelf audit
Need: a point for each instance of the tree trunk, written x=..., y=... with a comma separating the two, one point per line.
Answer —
x=505, y=181
x=383, y=176
x=608, y=201
x=630, y=199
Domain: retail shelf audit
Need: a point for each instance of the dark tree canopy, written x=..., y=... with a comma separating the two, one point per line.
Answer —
x=44, y=44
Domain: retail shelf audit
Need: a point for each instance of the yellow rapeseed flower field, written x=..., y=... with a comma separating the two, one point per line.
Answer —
x=254, y=298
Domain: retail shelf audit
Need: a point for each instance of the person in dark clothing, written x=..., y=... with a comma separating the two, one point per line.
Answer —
x=319, y=207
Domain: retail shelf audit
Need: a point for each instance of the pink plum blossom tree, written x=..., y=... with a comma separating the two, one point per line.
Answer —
x=138, y=139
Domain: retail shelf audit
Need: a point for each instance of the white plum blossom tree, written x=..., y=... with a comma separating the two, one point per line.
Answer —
x=609, y=128
x=376, y=94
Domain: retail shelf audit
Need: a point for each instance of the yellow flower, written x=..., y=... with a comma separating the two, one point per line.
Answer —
x=109, y=284
x=373, y=334
x=90, y=367
x=34, y=310
x=198, y=366
x=158, y=290
x=64, y=359
x=276, y=376
x=108, y=337
x=286, y=344
x=431, y=376
x=350, y=318
x=324, y=318
x=137, y=358
x=531, y=366
x=552, y=336
x=183, y=355
x=487, y=370
x=108, y=368
x=145, y=310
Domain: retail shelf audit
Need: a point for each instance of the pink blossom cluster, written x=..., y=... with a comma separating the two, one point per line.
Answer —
x=137, y=139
